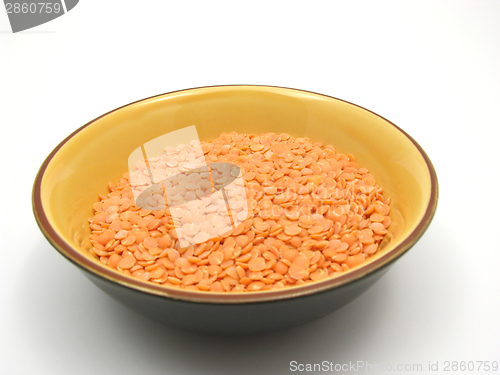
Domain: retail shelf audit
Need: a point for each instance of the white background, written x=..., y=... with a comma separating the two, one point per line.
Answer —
x=430, y=67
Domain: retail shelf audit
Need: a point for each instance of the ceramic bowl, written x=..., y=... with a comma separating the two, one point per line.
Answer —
x=80, y=167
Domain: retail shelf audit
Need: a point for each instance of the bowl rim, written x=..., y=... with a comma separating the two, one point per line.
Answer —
x=86, y=264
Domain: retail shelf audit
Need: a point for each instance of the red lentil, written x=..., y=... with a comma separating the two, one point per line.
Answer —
x=312, y=214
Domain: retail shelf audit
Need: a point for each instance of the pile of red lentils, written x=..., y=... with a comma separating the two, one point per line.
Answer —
x=313, y=213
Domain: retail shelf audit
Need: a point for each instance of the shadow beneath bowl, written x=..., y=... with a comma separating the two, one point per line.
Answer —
x=66, y=316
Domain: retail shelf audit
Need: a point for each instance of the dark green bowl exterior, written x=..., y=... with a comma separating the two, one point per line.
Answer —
x=237, y=318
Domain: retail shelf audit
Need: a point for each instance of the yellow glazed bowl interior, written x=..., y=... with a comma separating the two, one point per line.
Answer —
x=81, y=167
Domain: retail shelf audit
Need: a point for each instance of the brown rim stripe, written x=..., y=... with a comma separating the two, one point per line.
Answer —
x=82, y=261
